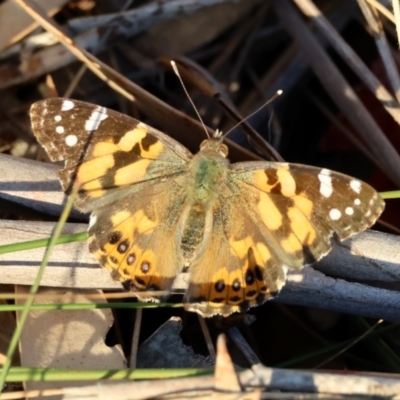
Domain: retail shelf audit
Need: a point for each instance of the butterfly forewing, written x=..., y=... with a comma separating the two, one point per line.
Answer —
x=103, y=149
x=302, y=206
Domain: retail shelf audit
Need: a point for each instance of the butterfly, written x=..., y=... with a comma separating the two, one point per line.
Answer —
x=158, y=210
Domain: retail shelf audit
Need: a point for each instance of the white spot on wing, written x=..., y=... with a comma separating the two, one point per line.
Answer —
x=349, y=211
x=93, y=122
x=60, y=129
x=355, y=185
x=357, y=202
x=71, y=140
x=57, y=118
x=334, y=214
x=325, y=178
x=67, y=105
x=93, y=220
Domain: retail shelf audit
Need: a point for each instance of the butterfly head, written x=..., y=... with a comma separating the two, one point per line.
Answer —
x=214, y=145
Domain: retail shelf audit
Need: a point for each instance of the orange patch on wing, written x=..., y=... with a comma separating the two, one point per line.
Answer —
x=94, y=169
x=154, y=151
x=120, y=217
x=285, y=179
x=131, y=173
x=291, y=244
x=301, y=226
x=241, y=247
x=135, y=136
x=142, y=223
x=304, y=204
x=260, y=180
x=269, y=213
x=128, y=223
x=262, y=254
x=102, y=149
x=288, y=184
x=131, y=138
x=94, y=188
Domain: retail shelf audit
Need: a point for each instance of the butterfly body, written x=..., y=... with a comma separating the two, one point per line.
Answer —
x=158, y=210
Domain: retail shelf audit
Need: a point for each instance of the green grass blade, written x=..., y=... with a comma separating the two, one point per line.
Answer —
x=21, y=374
x=34, y=244
x=34, y=288
x=393, y=194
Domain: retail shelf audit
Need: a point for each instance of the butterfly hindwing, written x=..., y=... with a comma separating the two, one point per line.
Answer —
x=138, y=238
x=104, y=151
x=244, y=272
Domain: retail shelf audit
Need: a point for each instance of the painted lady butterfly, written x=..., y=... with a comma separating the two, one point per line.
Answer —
x=158, y=210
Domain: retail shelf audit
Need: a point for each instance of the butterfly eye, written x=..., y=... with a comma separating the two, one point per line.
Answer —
x=223, y=149
x=203, y=144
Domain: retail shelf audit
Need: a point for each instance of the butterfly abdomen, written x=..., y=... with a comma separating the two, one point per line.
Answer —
x=193, y=233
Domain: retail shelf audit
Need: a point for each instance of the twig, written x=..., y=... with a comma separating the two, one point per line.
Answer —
x=207, y=336
x=396, y=12
x=129, y=23
x=135, y=337
x=269, y=379
x=104, y=38
x=249, y=354
x=375, y=24
x=382, y=9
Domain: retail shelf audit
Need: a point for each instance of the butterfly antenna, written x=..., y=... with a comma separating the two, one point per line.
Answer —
x=277, y=94
x=175, y=68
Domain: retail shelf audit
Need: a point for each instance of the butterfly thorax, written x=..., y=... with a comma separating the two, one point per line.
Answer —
x=208, y=170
